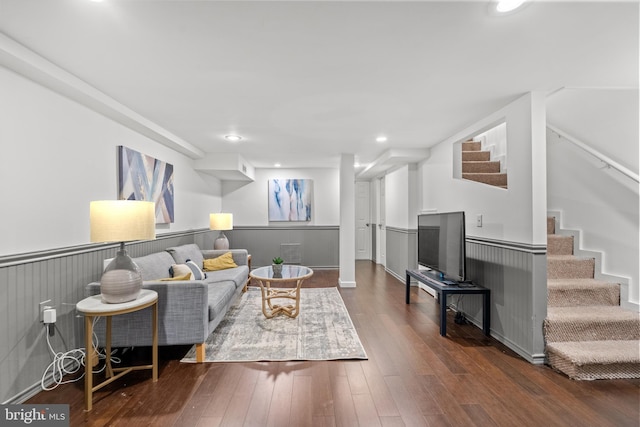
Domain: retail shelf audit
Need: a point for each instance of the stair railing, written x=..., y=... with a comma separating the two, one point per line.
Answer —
x=598, y=155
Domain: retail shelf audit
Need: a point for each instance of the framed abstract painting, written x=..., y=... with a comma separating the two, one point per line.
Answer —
x=142, y=177
x=290, y=199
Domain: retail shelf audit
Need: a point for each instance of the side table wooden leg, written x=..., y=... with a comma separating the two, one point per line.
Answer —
x=108, y=349
x=154, y=357
x=88, y=362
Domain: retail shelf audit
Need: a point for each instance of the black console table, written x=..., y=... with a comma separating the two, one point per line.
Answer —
x=452, y=288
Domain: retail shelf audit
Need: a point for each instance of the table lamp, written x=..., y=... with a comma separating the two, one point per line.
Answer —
x=221, y=222
x=121, y=221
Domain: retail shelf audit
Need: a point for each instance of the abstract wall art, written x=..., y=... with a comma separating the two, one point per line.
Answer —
x=142, y=177
x=290, y=199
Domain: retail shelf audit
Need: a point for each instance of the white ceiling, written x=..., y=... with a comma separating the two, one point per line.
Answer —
x=304, y=81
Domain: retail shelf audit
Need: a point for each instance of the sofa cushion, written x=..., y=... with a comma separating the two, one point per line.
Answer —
x=220, y=263
x=220, y=293
x=154, y=266
x=237, y=275
x=185, y=252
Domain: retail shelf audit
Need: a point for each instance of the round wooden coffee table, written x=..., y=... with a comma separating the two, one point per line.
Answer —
x=290, y=273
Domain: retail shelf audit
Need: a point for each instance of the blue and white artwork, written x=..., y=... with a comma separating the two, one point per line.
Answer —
x=290, y=199
x=142, y=177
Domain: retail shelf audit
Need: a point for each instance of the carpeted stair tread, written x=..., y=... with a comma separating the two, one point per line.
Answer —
x=478, y=156
x=471, y=146
x=497, y=179
x=595, y=323
x=570, y=267
x=589, y=360
x=481, y=167
x=559, y=245
x=582, y=292
x=595, y=313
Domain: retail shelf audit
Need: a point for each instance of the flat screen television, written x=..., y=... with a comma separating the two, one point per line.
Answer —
x=441, y=244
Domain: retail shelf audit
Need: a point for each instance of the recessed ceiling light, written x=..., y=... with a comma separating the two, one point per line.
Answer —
x=508, y=5
x=233, y=138
x=381, y=138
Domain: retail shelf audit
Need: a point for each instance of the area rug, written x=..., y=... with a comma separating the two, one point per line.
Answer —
x=322, y=331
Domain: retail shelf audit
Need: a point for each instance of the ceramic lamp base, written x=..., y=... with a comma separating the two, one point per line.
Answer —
x=121, y=280
x=221, y=242
x=118, y=286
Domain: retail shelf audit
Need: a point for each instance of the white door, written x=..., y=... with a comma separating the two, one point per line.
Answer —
x=382, y=232
x=363, y=221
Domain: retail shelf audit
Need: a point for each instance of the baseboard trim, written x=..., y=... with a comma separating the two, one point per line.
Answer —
x=346, y=283
x=394, y=274
x=36, y=388
x=533, y=358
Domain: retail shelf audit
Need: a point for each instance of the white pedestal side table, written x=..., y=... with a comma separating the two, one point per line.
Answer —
x=93, y=307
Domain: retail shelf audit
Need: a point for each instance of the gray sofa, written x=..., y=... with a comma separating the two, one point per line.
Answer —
x=188, y=311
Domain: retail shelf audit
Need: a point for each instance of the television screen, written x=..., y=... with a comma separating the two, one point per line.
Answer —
x=441, y=244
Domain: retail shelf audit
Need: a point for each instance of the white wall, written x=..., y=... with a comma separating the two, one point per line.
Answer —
x=397, y=198
x=605, y=119
x=248, y=201
x=58, y=155
x=401, y=203
x=516, y=214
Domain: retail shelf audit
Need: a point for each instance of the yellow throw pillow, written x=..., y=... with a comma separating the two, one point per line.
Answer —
x=221, y=263
x=171, y=279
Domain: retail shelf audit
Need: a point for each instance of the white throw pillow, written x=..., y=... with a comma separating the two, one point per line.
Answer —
x=196, y=270
x=179, y=270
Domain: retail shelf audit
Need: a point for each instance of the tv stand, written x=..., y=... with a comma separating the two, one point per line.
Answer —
x=446, y=287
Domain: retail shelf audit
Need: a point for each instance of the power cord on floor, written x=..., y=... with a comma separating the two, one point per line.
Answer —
x=459, y=318
x=70, y=362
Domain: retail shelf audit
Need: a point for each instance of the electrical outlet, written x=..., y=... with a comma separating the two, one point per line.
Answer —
x=41, y=308
x=479, y=220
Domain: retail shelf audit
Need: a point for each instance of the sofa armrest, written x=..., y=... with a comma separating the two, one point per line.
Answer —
x=240, y=256
x=183, y=315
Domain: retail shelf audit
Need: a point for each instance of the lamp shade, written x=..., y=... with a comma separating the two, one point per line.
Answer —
x=122, y=220
x=221, y=221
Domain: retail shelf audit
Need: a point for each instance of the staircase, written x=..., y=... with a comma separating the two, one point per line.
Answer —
x=588, y=335
x=478, y=166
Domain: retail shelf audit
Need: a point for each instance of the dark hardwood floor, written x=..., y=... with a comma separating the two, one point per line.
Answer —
x=413, y=377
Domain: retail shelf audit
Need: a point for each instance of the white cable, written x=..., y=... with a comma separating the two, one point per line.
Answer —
x=76, y=357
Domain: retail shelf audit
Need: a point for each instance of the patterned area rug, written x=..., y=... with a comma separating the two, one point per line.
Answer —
x=322, y=331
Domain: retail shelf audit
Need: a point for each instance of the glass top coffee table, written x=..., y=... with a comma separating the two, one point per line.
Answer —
x=290, y=274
